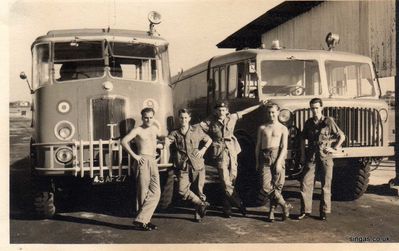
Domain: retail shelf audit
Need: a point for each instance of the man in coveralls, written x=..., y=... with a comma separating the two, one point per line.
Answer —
x=191, y=144
x=271, y=152
x=321, y=132
x=225, y=148
x=145, y=168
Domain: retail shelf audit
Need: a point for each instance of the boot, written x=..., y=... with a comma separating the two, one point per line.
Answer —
x=271, y=212
x=286, y=210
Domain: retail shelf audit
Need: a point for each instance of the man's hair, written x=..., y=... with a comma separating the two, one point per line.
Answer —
x=315, y=101
x=270, y=105
x=184, y=110
x=147, y=110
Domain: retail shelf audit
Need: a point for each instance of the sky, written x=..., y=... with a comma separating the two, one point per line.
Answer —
x=192, y=27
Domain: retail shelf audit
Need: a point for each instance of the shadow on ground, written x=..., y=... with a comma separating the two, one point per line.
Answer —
x=384, y=190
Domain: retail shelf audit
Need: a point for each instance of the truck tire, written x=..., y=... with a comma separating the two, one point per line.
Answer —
x=42, y=197
x=44, y=205
x=350, y=181
x=248, y=179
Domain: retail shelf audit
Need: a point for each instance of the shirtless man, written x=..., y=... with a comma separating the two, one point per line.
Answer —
x=271, y=151
x=145, y=167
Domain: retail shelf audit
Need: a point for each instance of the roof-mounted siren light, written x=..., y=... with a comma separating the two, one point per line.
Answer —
x=276, y=45
x=154, y=18
x=332, y=40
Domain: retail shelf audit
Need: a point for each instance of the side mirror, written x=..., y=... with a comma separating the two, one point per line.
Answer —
x=22, y=75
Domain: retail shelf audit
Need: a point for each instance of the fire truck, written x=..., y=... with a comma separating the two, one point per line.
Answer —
x=88, y=88
x=347, y=84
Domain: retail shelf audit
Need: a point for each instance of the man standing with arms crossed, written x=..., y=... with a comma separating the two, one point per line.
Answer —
x=321, y=132
x=271, y=152
x=145, y=167
x=225, y=148
x=191, y=144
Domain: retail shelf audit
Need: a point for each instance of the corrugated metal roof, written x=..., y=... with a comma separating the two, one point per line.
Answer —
x=251, y=34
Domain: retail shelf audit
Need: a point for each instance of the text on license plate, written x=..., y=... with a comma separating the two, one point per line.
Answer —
x=109, y=179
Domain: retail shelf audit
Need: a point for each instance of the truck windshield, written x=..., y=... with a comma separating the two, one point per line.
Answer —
x=78, y=60
x=350, y=79
x=290, y=78
x=134, y=61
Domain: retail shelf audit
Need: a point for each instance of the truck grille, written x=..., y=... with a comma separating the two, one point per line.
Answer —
x=105, y=111
x=362, y=126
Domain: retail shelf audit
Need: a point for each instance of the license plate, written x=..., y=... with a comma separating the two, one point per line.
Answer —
x=109, y=179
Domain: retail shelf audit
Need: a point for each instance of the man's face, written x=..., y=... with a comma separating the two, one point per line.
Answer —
x=221, y=112
x=316, y=109
x=148, y=118
x=184, y=119
x=272, y=113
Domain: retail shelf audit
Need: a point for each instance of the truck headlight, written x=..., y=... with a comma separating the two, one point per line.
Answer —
x=64, y=130
x=384, y=115
x=284, y=116
x=64, y=155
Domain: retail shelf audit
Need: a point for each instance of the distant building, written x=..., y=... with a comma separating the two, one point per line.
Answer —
x=20, y=109
x=365, y=27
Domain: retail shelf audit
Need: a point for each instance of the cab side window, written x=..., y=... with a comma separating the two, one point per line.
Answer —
x=232, y=81
x=242, y=83
x=216, y=83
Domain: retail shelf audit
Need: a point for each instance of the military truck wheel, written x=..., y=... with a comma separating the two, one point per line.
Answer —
x=248, y=180
x=42, y=197
x=350, y=180
x=44, y=204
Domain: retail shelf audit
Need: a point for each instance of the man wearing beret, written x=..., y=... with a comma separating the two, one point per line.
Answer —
x=225, y=148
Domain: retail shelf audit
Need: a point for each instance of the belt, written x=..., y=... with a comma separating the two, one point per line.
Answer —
x=224, y=140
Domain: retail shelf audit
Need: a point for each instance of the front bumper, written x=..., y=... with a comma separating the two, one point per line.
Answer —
x=358, y=152
x=102, y=158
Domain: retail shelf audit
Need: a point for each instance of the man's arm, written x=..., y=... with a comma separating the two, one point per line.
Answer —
x=257, y=147
x=341, y=139
x=247, y=110
x=158, y=126
x=208, y=142
x=204, y=124
x=303, y=145
x=283, y=147
x=340, y=134
x=126, y=144
x=170, y=139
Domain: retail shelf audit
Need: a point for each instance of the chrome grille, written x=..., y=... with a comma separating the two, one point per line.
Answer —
x=362, y=126
x=107, y=111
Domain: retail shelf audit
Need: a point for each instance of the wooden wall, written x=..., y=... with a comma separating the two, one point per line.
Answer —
x=364, y=27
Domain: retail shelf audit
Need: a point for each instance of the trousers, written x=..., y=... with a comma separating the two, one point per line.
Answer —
x=227, y=169
x=188, y=177
x=273, y=177
x=148, y=189
x=325, y=166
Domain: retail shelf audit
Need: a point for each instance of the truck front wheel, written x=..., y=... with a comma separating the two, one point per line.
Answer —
x=350, y=178
x=43, y=198
x=44, y=204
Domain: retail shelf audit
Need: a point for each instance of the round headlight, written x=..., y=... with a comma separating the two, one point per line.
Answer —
x=384, y=115
x=284, y=116
x=154, y=17
x=64, y=154
x=63, y=107
x=64, y=130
